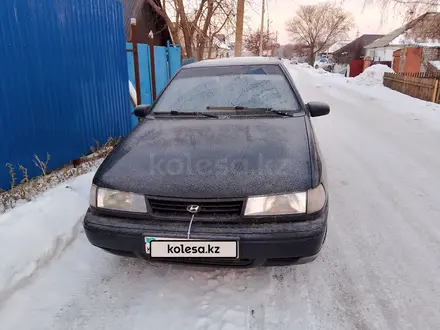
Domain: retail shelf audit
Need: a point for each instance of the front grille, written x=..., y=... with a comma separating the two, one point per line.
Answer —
x=207, y=208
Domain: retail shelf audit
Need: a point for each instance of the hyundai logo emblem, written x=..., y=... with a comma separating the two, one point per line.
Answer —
x=193, y=209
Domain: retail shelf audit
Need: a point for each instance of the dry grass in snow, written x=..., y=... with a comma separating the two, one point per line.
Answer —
x=28, y=189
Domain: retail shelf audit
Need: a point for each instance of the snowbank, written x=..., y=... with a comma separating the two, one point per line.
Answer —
x=305, y=65
x=322, y=71
x=372, y=75
x=369, y=85
x=38, y=231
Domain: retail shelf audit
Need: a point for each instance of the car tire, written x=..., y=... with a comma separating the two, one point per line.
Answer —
x=316, y=67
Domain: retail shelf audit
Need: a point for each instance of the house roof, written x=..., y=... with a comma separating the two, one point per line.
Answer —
x=147, y=18
x=388, y=38
x=337, y=45
x=131, y=9
x=221, y=44
x=363, y=40
x=435, y=64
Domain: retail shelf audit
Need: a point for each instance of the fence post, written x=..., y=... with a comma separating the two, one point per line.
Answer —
x=136, y=61
x=153, y=68
x=434, y=94
x=168, y=60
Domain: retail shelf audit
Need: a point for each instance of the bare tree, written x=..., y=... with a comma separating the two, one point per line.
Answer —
x=297, y=50
x=410, y=8
x=319, y=26
x=252, y=41
x=195, y=23
x=301, y=50
x=287, y=51
x=216, y=27
x=413, y=12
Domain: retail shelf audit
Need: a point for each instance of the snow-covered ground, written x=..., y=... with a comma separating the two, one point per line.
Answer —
x=34, y=233
x=378, y=269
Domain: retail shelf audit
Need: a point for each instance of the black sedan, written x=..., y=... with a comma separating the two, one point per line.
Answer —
x=223, y=169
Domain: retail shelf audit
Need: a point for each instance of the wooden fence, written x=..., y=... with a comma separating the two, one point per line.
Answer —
x=435, y=75
x=424, y=86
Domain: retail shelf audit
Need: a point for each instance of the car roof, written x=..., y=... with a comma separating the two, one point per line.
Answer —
x=249, y=60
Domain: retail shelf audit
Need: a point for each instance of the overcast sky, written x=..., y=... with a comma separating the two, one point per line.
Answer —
x=367, y=20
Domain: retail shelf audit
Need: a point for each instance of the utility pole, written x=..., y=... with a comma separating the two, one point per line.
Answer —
x=262, y=28
x=267, y=25
x=239, y=29
x=269, y=41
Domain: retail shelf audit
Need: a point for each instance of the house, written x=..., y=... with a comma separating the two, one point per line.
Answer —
x=271, y=49
x=220, y=47
x=337, y=45
x=421, y=31
x=244, y=52
x=216, y=47
x=354, y=50
x=415, y=59
x=146, y=20
x=328, y=52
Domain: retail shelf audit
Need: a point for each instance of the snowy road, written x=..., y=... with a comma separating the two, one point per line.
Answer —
x=379, y=268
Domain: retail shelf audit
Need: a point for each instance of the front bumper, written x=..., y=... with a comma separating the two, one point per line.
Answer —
x=265, y=243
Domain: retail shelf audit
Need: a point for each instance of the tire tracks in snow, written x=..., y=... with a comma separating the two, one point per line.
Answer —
x=394, y=195
x=278, y=300
x=21, y=279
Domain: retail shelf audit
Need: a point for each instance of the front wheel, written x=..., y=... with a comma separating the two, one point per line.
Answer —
x=316, y=67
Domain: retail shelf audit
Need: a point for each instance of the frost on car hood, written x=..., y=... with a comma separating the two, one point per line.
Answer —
x=204, y=158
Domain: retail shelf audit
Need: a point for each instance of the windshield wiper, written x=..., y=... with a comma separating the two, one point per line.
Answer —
x=281, y=113
x=179, y=113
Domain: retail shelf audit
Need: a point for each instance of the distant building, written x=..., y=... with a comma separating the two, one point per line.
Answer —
x=221, y=48
x=354, y=50
x=216, y=47
x=337, y=45
x=418, y=32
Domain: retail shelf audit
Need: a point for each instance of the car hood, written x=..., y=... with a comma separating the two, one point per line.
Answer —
x=211, y=158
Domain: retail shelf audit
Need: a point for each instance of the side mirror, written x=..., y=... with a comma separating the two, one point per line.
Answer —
x=141, y=110
x=318, y=109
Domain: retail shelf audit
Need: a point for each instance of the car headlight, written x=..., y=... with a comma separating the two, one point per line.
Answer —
x=316, y=199
x=117, y=200
x=295, y=203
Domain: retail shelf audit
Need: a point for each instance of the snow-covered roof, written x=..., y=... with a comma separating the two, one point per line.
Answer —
x=221, y=44
x=337, y=45
x=435, y=64
x=404, y=39
x=400, y=36
x=385, y=40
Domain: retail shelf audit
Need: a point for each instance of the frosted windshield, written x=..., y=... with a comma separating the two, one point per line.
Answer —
x=195, y=89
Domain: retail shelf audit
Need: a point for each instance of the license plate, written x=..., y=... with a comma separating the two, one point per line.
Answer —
x=190, y=248
x=148, y=241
